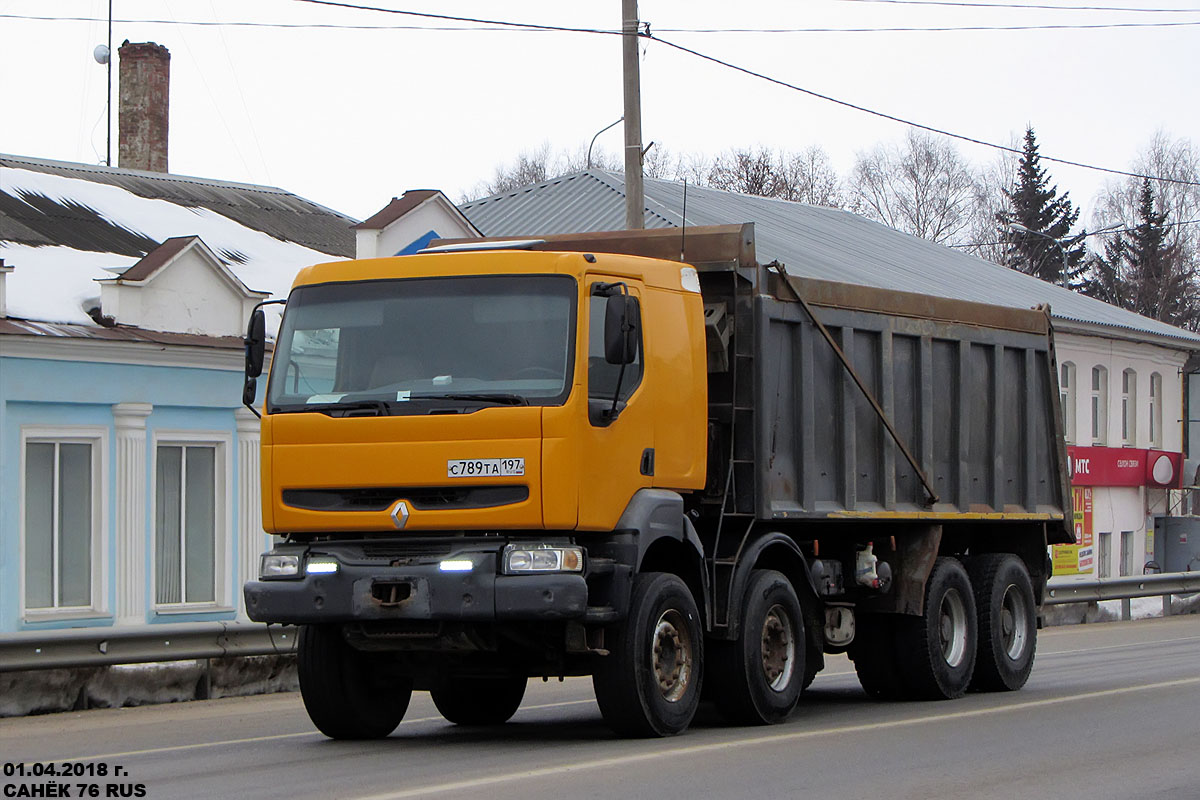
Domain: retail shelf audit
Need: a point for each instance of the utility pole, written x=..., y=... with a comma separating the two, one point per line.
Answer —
x=635, y=203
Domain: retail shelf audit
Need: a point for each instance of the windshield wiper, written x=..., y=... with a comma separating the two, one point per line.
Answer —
x=499, y=398
x=378, y=406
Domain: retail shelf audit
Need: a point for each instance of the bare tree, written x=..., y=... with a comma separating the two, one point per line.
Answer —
x=920, y=186
x=809, y=177
x=981, y=237
x=745, y=172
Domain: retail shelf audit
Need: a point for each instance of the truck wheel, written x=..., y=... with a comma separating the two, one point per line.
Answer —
x=873, y=652
x=344, y=692
x=1007, y=617
x=649, y=683
x=936, y=650
x=759, y=676
x=479, y=701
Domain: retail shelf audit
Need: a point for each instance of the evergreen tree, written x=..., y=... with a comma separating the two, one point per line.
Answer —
x=1145, y=271
x=1037, y=228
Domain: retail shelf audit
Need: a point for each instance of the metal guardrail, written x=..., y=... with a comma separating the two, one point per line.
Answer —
x=1126, y=588
x=97, y=647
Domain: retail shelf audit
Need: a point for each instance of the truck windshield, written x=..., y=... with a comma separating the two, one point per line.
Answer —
x=419, y=345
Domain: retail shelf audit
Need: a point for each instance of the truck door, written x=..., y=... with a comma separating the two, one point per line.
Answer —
x=618, y=451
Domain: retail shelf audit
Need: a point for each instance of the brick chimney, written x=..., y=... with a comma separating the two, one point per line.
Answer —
x=145, y=76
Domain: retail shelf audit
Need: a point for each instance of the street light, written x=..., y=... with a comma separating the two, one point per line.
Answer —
x=597, y=136
x=1016, y=226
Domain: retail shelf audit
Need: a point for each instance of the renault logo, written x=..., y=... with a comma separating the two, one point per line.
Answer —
x=400, y=514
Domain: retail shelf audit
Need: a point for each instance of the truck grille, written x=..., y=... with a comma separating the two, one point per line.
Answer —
x=422, y=499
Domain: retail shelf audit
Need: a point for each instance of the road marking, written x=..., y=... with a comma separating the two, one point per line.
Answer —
x=1130, y=646
x=273, y=737
x=690, y=750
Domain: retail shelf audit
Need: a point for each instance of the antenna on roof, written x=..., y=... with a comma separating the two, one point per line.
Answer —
x=683, y=231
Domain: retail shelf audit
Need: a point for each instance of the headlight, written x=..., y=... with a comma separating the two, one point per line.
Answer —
x=277, y=566
x=320, y=566
x=519, y=558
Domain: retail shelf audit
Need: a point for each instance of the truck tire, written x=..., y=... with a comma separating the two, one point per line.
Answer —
x=344, y=692
x=479, y=701
x=873, y=652
x=757, y=678
x=936, y=651
x=649, y=683
x=1007, y=617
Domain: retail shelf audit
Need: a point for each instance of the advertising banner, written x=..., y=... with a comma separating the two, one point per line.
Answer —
x=1078, y=558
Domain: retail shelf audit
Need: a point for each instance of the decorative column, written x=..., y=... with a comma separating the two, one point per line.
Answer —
x=251, y=539
x=131, y=533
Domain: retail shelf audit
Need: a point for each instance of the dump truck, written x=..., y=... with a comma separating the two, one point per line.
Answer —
x=644, y=457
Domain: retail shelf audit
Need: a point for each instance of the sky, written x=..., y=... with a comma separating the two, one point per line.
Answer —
x=351, y=117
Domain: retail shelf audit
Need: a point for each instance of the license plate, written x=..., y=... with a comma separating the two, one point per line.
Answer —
x=484, y=467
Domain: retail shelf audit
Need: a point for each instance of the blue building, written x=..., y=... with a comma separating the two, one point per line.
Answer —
x=129, y=475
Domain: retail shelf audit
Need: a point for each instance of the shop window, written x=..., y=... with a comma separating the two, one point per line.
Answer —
x=1099, y=405
x=1066, y=396
x=1127, y=556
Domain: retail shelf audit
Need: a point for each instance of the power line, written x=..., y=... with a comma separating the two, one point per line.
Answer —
x=1088, y=234
x=1031, y=6
x=910, y=123
x=752, y=73
x=942, y=28
x=521, y=27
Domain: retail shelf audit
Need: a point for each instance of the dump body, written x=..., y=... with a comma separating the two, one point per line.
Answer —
x=968, y=388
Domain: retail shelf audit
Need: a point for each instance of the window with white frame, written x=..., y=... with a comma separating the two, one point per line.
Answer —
x=190, y=522
x=61, y=520
x=1156, y=410
x=1066, y=396
x=1128, y=407
x=1099, y=405
x=1104, y=557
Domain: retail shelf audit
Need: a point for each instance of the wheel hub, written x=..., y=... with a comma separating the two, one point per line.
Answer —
x=778, y=648
x=671, y=656
x=1013, y=623
x=952, y=628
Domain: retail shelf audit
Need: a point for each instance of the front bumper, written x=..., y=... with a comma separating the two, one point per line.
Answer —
x=360, y=592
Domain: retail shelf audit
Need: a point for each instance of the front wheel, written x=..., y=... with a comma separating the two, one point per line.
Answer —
x=759, y=675
x=649, y=683
x=936, y=650
x=479, y=701
x=345, y=691
x=1007, y=622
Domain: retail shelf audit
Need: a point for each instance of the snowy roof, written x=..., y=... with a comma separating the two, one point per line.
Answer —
x=811, y=241
x=63, y=226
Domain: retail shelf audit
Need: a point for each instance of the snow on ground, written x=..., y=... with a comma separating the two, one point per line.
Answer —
x=50, y=283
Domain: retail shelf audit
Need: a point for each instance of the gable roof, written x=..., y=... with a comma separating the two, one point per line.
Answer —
x=811, y=241
x=30, y=218
x=64, y=226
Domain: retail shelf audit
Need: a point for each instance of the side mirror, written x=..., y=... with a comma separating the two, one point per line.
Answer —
x=622, y=323
x=256, y=343
x=250, y=392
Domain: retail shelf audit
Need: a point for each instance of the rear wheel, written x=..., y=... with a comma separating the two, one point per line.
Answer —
x=1007, y=617
x=649, y=683
x=479, y=700
x=874, y=654
x=345, y=691
x=936, y=650
x=759, y=676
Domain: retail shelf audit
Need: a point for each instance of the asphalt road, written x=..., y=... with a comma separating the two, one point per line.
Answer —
x=1111, y=711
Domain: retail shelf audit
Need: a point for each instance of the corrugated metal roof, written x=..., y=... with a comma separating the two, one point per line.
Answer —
x=811, y=241
x=119, y=333
x=285, y=216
